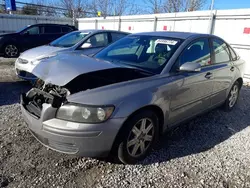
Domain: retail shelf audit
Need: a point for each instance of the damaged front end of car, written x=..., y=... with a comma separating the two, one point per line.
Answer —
x=34, y=99
x=56, y=95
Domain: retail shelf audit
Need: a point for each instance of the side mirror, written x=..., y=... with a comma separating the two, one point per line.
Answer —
x=86, y=45
x=190, y=67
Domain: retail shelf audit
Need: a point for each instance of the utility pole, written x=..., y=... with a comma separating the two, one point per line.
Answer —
x=211, y=20
x=73, y=15
x=212, y=6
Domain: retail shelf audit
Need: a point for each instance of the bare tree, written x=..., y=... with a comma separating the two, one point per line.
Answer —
x=134, y=9
x=193, y=5
x=45, y=8
x=154, y=6
x=114, y=7
x=183, y=5
x=160, y=6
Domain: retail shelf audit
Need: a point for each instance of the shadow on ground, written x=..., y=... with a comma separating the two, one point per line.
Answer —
x=204, y=132
x=10, y=91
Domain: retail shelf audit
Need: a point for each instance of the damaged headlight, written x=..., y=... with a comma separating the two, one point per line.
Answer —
x=84, y=114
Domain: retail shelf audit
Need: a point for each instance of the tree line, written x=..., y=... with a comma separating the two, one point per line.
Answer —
x=89, y=8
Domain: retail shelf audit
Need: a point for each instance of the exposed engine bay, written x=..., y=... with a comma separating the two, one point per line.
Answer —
x=57, y=95
x=41, y=94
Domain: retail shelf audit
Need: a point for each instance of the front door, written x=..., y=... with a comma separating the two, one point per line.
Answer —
x=93, y=44
x=30, y=38
x=192, y=90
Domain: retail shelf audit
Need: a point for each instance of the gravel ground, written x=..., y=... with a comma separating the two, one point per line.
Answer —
x=211, y=151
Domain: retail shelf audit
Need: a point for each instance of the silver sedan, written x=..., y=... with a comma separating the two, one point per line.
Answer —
x=86, y=42
x=121, y=101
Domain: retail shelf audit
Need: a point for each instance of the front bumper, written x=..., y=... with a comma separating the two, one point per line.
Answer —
x=89, y=140
x=23, y=71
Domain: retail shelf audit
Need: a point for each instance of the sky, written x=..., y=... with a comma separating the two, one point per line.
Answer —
x=218, y=4
x=229, y=4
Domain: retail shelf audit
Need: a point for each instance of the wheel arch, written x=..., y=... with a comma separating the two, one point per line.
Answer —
x=154, y=108
x=240, y=80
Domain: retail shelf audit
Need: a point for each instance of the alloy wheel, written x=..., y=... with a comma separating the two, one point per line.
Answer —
x=233, y=96
x=140, y=137
x=11, y=50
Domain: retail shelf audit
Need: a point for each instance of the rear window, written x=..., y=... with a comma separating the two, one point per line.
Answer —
x=233, y=54
x=66, y=29
x=51, y=29
x=117, y=36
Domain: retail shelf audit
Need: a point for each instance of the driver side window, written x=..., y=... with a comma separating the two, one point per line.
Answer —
x=98, y=40
x=33, y=31
x=197, y=52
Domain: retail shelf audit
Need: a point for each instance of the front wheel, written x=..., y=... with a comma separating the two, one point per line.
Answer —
x=232, y=97
x=139, y=135
x=11, y=51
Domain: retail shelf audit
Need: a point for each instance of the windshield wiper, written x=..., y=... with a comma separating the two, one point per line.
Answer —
x=143, y=71
x=136, y=68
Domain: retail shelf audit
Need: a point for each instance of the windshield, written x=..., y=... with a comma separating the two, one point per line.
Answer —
x=69, y=40
x=23, y=28
x=150, y=53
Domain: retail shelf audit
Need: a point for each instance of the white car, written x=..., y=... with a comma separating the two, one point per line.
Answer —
x=85, y=42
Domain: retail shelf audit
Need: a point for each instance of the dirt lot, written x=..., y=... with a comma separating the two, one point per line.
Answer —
x=210, y=151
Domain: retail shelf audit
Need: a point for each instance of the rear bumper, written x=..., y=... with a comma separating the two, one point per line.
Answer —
x=89, y=140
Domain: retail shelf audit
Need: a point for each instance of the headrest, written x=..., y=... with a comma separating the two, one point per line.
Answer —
x=159, y=48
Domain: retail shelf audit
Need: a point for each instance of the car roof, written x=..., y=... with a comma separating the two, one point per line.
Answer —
x=51, y=24
x=173, y=34
x=102, y=30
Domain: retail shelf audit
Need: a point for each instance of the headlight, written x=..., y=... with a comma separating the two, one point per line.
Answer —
x=21, y=61
x=84, y=114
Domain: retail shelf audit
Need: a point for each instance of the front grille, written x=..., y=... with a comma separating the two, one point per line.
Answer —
x=59, y=146
x=63, y=147
x=25, y=74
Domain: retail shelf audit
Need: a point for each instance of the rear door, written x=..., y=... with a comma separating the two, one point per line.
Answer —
x=117, y=36
x=50, y=33
x=224, y=72
x=192, y=91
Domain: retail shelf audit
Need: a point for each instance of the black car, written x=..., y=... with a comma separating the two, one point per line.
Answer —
x=31, y=36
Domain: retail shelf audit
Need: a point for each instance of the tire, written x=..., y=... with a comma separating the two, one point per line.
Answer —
x=134, y=139
x=232, y=97
x=11, y=51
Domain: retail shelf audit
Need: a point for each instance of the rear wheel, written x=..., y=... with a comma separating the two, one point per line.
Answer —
x=11, y=50
x=232, y=97
x=139, y=135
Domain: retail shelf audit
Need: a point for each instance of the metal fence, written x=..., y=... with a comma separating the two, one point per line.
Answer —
x=231, y=25
x=11, y=23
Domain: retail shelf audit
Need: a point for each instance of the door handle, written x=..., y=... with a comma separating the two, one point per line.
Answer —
x=209, y=75
x=232, y=69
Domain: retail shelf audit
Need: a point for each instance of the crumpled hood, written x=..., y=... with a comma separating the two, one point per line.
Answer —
x=61, y=69
x=39, y=52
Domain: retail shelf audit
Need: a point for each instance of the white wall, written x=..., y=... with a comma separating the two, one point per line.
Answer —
x=228, y=24
x=12, y=23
